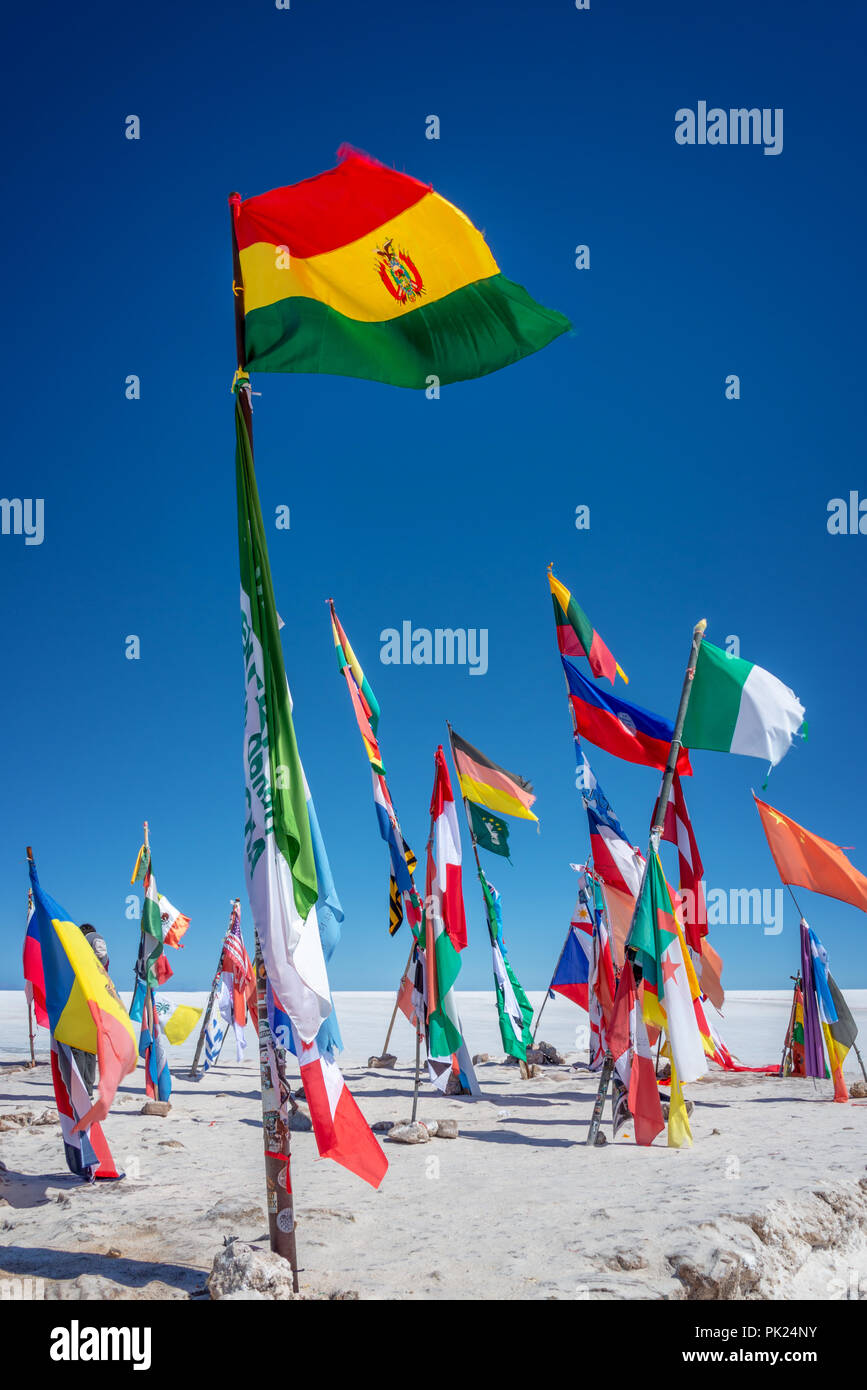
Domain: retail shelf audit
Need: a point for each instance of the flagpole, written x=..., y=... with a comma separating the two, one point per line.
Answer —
x=275, y=1133
x=149, y=996
x=790, y=1030
x=470, y=828
x=803, y=919
x=388, y=1036
x=553, y=973
x=655, y=837
x=211, y=997
x=29, y=1000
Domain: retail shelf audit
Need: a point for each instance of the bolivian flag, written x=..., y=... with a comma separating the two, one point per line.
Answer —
x=366, y=272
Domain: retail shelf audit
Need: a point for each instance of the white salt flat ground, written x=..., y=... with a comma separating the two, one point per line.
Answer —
x=771, y=1201
x=753, y=1025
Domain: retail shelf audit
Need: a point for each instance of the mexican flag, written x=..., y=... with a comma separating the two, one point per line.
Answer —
x=736, y=707
x=670, y=985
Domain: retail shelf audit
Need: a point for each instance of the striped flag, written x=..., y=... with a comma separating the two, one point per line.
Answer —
x=633, y=1059
x=84, y=1012
x=576, y=635
x=490, y=785
x=280, y=856
x=444, y=934
x=34, y=974
x=402, y=889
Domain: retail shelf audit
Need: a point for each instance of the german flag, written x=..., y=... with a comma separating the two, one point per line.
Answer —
x=366, y=272
x=490, y=785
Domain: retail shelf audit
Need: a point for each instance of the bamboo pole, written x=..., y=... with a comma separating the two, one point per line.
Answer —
x=216, y=980
x=275, y=1131
x=655, y=836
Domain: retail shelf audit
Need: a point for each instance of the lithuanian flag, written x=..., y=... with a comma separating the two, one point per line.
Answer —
x=577, y=636
x=366, y=272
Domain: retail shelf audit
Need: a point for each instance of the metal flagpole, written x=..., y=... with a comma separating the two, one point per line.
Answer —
x=655, y=836
x=275, y=1130
x=211, y=997
x=548, y=990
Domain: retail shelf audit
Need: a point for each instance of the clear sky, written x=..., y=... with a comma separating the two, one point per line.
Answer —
x=557, y=128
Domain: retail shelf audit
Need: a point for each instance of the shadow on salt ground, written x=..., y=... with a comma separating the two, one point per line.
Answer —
x=29, y=1189
x=68, y=1264
x=505, y=1136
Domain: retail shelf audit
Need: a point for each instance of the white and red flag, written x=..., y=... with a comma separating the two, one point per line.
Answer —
x=678, y=830
x=633, y=1059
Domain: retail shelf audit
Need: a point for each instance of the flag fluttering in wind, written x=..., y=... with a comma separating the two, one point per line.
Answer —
x=367, y=712
x=513, y=1007
x=34, y=975
x=807, y=861
x=626, y=730
x=670, y=985
x=153, y=965
x=151, y=1042
x=838, y=1031
x=490, y=785
x=84, y=1013
x=585, y=970
x=576, y=635
x=489, y=832
x=444, y=934
x=173, y=921
x=364, y=702
x=677, y=830
x=616, y=861
x=365, y=272
x=736, y=707
x=280, y=857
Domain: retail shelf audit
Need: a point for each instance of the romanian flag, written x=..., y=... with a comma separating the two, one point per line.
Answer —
x=363, y=271
x=621, y=728
x=490, y=785
x=84, y=1008
x=576, y=635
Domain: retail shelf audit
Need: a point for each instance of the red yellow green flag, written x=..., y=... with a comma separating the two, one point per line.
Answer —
x=366, y=272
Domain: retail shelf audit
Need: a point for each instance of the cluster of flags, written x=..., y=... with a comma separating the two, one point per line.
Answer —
x=160, y=1021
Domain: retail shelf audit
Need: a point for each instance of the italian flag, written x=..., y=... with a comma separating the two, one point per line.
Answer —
x=444, y=933
x=736, y=707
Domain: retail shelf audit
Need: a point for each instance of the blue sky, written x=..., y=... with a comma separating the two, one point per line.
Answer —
x=557, y=129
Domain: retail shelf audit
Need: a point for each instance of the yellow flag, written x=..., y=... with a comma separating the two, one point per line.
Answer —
x=182, y=1023
x=679, y=1132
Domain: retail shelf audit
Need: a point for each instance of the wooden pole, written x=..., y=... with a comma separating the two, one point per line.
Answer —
x=30, y=1027
x=655, y=837
x=275, y=1132
x=417, y=1073
x=217, y=973
x=394, y=1011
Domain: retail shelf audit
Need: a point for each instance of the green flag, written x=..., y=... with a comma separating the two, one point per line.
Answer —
x=489, y=832
x=513, y=1006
